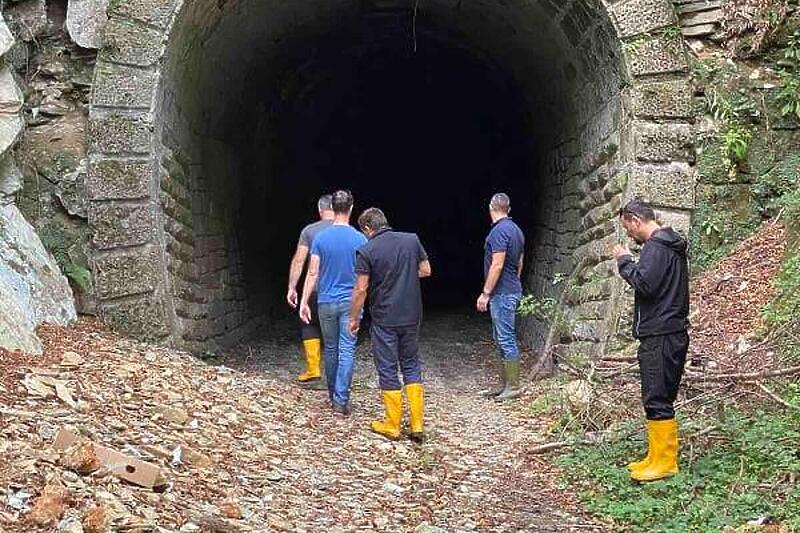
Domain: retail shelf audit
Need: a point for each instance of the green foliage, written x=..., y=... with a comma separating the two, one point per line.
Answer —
x=785, y=308
x=80, y=275
x=735, y=141
x=541, y=308
x=744, y=475
x=789, y=96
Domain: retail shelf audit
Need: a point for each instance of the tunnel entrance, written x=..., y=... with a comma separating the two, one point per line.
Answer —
x=427, y=135
x=209, y=161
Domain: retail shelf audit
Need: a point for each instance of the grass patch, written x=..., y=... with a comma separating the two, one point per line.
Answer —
x=746, y=472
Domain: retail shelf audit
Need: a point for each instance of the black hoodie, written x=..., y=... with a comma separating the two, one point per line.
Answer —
x=661, y=282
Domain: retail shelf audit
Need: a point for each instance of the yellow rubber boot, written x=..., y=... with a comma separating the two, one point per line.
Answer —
x=313, y=349
x=416, y=410
x=638, y=465
x=389, y=427
x=664, y=451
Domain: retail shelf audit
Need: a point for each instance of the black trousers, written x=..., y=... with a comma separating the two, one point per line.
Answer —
x=311, y=330
x=661, y=361
x=396, y=348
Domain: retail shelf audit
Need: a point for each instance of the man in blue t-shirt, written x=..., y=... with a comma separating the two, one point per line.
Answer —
x=332, y=271
x=502, y=291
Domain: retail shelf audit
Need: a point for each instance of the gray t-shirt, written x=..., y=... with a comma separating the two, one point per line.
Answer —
x=311, y=231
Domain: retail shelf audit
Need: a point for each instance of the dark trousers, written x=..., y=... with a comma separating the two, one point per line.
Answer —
x=396, y=348
x=661, y=361
x=312, y=329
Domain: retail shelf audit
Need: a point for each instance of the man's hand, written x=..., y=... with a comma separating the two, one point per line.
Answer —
x=305, y=313
x=354, y=325
x=483, y=302
x=291, y=297
x=621, y=251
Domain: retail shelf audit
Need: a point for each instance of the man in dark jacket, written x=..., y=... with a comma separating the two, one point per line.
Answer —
x=389, y=267
x=660, y=280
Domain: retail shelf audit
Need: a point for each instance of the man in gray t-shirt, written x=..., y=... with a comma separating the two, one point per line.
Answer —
x=311, y=333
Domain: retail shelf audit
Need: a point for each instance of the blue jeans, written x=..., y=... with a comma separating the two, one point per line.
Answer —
x=340, y=349
x=503, y=309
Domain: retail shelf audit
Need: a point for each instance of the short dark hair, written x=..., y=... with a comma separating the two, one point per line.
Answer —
x=342, y=202
x=324, y=203
x=501, y=202
x=638, y=209
x=372, y=218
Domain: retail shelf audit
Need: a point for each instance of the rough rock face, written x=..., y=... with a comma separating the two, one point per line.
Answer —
x=86, y=20
x=32, y=289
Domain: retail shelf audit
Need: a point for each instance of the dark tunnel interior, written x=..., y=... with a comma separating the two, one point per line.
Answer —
x=423, y=135
x=423, y=113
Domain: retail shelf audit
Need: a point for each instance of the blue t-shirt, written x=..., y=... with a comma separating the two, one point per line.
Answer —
x=505, y=236
x=336, y=248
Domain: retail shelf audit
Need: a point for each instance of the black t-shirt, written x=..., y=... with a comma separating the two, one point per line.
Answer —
x=391, y=259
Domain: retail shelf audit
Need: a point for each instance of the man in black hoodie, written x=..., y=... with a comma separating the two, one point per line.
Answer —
x=660, y=280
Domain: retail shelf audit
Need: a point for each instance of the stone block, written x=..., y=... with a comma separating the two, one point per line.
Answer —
x=6, y=37
x=664, y=142
x=145, y=317
x=134, y=272
x=671, y=185
x=591, y=311
x=120, y=134
x=657, y=55
x=117, y=225
x=119, y=180
x=132, y=43
x=680, y=221
x=86, y=20
x=635, y=17
x=155, y=12
x=588, y=330
x=663, y=99
x=601, y=213
x=123, y=86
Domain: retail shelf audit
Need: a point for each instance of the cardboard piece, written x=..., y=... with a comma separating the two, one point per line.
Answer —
x=128, y=468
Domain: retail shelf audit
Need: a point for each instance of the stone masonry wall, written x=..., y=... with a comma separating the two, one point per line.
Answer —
x=163, y=252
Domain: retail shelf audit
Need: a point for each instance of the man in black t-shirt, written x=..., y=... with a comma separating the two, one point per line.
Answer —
x=389, y=267
x=310, y=333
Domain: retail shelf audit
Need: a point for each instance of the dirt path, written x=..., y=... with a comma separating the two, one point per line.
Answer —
x=473, y=473
x=247, y=450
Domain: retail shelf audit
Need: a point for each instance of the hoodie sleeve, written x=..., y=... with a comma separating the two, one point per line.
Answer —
x=647, y=275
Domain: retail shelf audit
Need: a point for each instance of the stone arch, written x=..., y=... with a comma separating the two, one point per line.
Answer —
x=619, y=98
